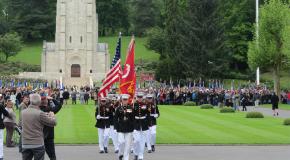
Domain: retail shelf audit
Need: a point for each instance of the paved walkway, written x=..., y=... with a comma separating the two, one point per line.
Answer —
x=269, y=112
x=173, y=153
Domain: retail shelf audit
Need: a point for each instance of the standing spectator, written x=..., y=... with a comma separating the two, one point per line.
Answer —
x=275, y=101
x=288, y=97
x=33, y=121
x=171, y=97
x=1, y=99
x=18, y=98
x=3, y=112
x=10, y=123
x=65, y=96
x=22, y=106
x=74, y=97
x=48, y=104
x=82, y=96
x=244, y=101
x=87, y=97
x=61, y=96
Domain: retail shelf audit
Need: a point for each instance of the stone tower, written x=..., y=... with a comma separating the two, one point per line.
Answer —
x=76, y=57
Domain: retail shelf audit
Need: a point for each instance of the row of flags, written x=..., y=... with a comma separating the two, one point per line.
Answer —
x=12, y=83
x=126, y=77
x=23, y=83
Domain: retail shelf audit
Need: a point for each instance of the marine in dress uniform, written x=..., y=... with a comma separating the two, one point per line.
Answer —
x=113, y=132
x=141, y=126
x=125, y=125
x=154, y=114
x=103, y=124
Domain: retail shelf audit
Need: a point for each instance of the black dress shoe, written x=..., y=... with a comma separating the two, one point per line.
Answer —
x=102, y=152
x=121, y=157
x=135, y=157
x=116, y=151
x=149, y=151
x=153, y=148
x=106, y=150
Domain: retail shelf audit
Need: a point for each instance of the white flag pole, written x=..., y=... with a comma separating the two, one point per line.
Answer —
x=258, y=76
x=257, y=37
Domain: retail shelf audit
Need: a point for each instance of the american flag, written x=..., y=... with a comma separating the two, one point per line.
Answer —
x=114, y=73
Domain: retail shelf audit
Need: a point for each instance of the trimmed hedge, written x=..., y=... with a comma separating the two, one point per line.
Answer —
x=206, y=106
x=189, y=103
x=227, y=110
x=254, y=115
x=287, y=122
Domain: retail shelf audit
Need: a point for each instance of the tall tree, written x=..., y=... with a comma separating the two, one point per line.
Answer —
x=32, y=19
x=170, y=66
x=10, y=44
x=113, y=16
x=238, y=17
x=202, y=41
x=145, y=14
x=271, y=49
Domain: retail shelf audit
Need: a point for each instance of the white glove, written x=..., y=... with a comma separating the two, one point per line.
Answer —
x=98, y=117
x=155, y=115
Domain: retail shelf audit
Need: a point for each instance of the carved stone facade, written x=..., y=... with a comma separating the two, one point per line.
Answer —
x=75, y=56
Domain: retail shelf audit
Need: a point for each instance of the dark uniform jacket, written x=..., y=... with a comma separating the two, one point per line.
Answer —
x=49, y=131
x=124, y=119
x=275, y=101
x=141, y=114
x=104, y=110
x=3, y=112
x=112, y=114
x=153, y=109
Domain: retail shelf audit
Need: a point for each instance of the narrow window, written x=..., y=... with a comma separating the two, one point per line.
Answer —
x=70, y=39
x=81, y=39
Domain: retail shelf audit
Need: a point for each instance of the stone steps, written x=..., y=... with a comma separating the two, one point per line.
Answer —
x=79, y=82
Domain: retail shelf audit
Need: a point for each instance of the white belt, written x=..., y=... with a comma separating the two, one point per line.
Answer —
x=140, y=117
x=104, y=117
x=152, y=115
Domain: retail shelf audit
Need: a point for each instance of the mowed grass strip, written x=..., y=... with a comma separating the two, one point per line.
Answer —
x=187, y=125
x=180, y=125
x=281, y=106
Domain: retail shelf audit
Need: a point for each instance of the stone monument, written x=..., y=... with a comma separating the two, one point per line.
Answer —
x=76, y=57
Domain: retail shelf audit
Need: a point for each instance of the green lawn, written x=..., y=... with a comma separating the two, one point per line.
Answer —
x=141, y=52
x=31, y=52
x=281, y=106
x=180, y=125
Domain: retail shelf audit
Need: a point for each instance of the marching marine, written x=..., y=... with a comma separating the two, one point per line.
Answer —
x=141, y=126
x=124, y=118
x=102, y=114
x=154, y=114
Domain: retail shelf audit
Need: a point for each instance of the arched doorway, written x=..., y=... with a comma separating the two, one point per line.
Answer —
x=75, y=70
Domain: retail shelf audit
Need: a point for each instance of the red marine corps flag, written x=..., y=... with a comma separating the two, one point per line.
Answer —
x=128, y=79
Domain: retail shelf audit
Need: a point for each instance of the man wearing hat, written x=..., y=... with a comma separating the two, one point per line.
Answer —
x=103, y=124
x=141, y=127
x=125, y=125
x=154, y=114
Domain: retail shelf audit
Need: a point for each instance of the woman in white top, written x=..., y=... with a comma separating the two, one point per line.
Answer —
x=10, y=123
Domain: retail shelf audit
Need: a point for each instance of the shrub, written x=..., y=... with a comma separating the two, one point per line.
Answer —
x=227, y=110
x=189, y=103
x=206, y=106
x=254, y=115
x=287, y=122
